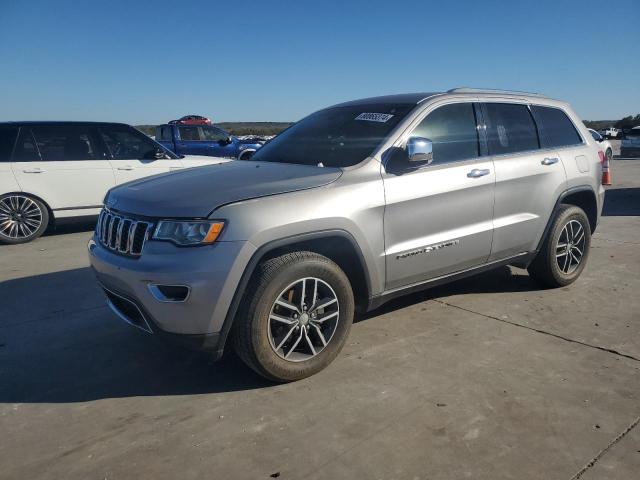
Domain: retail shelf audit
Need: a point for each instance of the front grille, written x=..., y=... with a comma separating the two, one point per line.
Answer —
x=122, y=234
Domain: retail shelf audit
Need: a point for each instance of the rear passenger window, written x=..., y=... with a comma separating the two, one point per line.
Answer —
x=510, y=128
x=452, y=129
x=66, y=143
x=25, y=150
x=556, y=130
x=7, y=140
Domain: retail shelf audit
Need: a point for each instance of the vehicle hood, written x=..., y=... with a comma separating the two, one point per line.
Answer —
x=196, y=192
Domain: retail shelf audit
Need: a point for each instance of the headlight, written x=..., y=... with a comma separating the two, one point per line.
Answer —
x=191, y=232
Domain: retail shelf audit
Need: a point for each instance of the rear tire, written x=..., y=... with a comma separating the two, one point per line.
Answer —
x=609, y=154
x=296, y=316
x=22, y=218
x=565, y=251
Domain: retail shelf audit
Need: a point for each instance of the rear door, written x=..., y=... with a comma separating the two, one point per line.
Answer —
x=133, y=154
x=529, y=178
x=64, y=164
x=438, y=216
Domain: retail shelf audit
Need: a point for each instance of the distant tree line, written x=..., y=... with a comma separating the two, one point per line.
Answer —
x=626, y=122
x=236, y=128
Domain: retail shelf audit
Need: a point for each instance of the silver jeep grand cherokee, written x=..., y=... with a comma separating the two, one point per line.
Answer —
x=350, y=207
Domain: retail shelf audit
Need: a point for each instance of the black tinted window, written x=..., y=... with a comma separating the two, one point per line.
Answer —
x=189, y=133
x=510, y=128
x=25, y=150
x=452, y=129
x=556, y=130
x=66, y=142
x=213, y=134
x=126, y=143
x=7, y=140
x=166, y=133
x=335, y=137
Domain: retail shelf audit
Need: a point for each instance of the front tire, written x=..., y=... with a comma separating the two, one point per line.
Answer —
x=22, y=218
x=298, y=311
x=565, y=251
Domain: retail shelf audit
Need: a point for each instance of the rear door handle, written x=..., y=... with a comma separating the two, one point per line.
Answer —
x=478, y=172
x=34, y=170
x=549, y=161
x=127, y=167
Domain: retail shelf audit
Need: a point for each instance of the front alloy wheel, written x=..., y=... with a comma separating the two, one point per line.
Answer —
x=22, y=218
x=303, y=319
x=295, y=317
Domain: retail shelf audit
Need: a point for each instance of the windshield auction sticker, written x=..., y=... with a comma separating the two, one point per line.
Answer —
x=374, y=117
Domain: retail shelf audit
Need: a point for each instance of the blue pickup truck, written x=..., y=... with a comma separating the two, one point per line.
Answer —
x=204, y=139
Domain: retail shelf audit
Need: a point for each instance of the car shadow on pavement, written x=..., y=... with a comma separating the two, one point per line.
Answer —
x=621, y=202
x=500, y=280
x=75, y=227
x=64, y=345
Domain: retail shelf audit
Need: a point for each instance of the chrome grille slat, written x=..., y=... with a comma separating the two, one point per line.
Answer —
x=122, y=234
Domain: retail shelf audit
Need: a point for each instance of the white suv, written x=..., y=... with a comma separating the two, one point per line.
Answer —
x=55, y=172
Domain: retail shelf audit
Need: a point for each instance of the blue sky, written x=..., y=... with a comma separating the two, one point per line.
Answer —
x=151, y=61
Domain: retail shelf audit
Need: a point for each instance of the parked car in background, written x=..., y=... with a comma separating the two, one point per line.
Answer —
x=204, y=139
x=605, y=145
x=56, y=172
x=348, y=208
x=610, y=132
x=192, y=120
x=630, y=146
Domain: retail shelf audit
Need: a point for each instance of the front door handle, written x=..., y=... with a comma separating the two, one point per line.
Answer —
x=478, y=172
x=127, y=167
x=34, y=170
x=549, y=161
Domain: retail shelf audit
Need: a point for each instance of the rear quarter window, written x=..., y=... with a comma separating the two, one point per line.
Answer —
x=556, y=129
x=7, y=140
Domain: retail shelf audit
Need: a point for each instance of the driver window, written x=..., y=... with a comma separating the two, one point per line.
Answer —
x=213, y=134
x=127, y=145
x=452, y=129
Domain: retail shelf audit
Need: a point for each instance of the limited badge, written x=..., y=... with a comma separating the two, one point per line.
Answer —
x=374, y=117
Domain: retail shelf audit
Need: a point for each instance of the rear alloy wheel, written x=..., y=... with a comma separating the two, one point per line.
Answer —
x=22, y=218
x=565, y=251
x=296, y=316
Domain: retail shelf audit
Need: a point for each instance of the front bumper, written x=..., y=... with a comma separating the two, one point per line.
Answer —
x=211, y=272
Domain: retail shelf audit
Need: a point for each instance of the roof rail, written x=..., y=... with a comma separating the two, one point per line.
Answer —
x=494, y=90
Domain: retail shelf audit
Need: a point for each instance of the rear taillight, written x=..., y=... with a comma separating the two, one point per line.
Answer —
x=602, y=157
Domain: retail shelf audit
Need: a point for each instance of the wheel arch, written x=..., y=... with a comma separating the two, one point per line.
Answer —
x=585, y=198
x=337, y=245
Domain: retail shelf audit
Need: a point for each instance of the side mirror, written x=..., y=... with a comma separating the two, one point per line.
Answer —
x=420, y=150
x=225, y=141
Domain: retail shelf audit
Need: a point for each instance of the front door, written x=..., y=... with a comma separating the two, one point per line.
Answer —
x=64, y=164
x=438, y=216
x=133, y=155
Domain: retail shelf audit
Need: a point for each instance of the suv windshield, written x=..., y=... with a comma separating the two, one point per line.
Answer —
x=335, y=137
